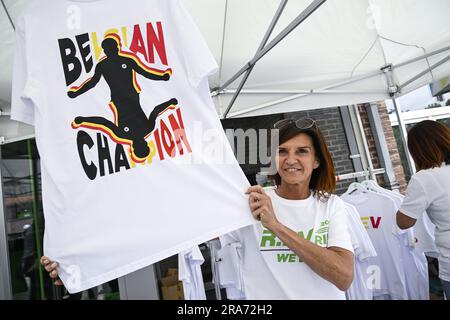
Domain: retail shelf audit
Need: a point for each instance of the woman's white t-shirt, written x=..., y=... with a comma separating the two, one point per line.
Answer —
x=271, y=270
x=429, y=190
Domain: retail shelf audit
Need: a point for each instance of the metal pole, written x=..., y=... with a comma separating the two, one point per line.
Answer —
x=9, y=17
x=421, y=57
x=297, y=96
x=404, y=135
x=5, y=272
x=300, y=18
x=425, y=72
x=306, y=92
x=261, y=46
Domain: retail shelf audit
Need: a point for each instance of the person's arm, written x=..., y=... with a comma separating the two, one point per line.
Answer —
x=404, y=221
x=87, y=85
x=414, y=204
x=51, y=268
x=149, y=74
x=334, y=264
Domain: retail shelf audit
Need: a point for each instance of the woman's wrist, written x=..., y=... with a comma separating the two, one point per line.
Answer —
x=276, y=227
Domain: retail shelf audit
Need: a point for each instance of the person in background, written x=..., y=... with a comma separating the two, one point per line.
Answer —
x=429, y=189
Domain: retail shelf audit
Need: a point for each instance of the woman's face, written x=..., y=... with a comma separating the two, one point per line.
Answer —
x=296, y=160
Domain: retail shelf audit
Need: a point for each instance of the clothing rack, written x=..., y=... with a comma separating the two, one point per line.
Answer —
x=368, y=173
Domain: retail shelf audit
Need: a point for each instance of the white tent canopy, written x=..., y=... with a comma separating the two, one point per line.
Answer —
x=332, y=58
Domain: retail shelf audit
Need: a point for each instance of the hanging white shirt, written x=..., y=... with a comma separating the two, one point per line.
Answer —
x=190, y=273
x=228, y=260
x=271, y=270
x=126, y=171
x=414, y=260
x=421, y=235
x=377, y=213
x=363, y=248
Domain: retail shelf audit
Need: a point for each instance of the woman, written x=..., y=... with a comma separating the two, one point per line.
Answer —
x=429, y=189
x=302, y=248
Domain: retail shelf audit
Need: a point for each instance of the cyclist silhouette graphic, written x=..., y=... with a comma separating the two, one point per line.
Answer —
x=131, y=126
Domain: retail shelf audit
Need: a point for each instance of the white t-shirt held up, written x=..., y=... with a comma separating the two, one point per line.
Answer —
x=115, y=90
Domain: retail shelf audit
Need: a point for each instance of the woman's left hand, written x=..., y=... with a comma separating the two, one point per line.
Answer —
x=261, y=207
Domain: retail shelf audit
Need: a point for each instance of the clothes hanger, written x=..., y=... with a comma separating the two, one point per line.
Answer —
x=370, y=185
x=355, y=186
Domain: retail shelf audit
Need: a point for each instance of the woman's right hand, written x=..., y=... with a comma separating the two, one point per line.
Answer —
x=51, y=268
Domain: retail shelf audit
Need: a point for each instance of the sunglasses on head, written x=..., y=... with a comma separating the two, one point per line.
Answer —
x=304, y=123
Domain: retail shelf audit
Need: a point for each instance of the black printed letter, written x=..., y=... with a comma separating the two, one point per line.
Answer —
x=69, y=59
x=83, y=139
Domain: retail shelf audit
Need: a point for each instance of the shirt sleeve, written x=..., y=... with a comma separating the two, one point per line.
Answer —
x=22, y=105
x=415, y=201
x=338, y=233
x=183, y=268
x=197, y=58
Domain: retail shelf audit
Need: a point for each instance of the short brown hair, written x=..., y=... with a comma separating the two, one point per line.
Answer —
x=323, y=178
x=429, y=144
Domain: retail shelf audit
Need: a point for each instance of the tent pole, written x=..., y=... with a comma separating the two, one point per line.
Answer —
x=9, y=17
x=424, y=72
x=261, y=46
x=393, y=89
x=422, y=57
x=300, y=95
x=306, y=92
x=300, y=18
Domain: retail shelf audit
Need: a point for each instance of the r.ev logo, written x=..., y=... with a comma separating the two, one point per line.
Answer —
x=371, y=222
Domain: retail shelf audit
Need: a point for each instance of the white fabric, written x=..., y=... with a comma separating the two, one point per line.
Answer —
x=271, y=270
x=229, y=259
x=377, y=213
x=363, y=248
x=416, y=274
x=424, y=231
x=109, y=217
x=422, y=234
x=429, y=190
x=190, y=273
x=414, y=260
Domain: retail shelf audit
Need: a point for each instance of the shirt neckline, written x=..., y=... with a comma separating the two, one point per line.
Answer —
x=295, y=203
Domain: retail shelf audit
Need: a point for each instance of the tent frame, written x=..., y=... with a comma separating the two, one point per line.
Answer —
x=263, y=49
x=393, y=89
